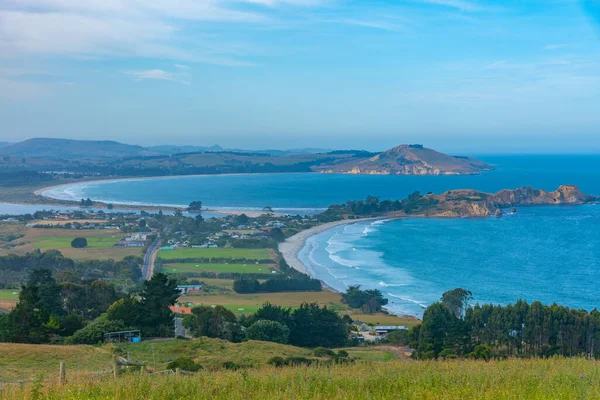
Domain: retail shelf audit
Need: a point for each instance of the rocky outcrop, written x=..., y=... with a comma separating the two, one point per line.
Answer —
x=408, y=160
x=471, y=203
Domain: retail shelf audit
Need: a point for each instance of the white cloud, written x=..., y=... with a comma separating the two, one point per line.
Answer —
x=158, y=74
x=461, y=5
x=144, y=28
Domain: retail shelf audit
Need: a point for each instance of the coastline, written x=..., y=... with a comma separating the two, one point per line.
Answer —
x=290, y=248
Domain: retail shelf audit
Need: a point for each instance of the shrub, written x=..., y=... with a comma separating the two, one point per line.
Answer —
x=323, y=352
x=276, y=361
x=184, y=363
x=94, y=332
x=342, y=354
x=79, y=243
x=231, y=365
x=268, y=331
x=482, y=352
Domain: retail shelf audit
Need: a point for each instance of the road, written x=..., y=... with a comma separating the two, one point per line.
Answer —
x=149, y=258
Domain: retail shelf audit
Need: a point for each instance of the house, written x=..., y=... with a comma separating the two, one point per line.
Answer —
x=384, y=330
x=362, y=326
x=180, y=310
x=185, y=289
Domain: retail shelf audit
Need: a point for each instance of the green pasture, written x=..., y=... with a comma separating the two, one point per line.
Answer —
x=188, y=268
x=254, y=254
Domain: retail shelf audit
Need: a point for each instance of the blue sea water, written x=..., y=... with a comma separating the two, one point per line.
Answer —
x=310, y=192
x=549, y=253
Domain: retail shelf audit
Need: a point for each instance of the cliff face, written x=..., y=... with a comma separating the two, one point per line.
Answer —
x=409, y=160
x=470, y=203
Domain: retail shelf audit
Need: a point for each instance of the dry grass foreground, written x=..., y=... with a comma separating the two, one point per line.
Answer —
x=511, y=379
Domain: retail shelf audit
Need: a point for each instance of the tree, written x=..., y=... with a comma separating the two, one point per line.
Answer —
x=268, y=331
x=158, y=295
x=242, y=219
x=195, y=206
x=313, y=326
x=217, y=322
x=370, y=301
x=482, y=352
x=142, y=224
x=127, y=309
x=48, y=290
x=26, y=322
x=79, y=243
x=110, y=206
x=268, y=209
x=277, y=235
x=457, y=301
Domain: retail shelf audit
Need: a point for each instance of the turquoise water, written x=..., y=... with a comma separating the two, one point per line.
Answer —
x=310, y=192
x=550, y=254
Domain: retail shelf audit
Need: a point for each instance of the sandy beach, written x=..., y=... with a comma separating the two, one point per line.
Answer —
x=292, y=245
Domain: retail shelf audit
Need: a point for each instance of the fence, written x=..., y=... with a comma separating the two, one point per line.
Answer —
x=118, y=364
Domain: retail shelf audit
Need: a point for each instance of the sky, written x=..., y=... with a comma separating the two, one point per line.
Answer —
x=456, y=75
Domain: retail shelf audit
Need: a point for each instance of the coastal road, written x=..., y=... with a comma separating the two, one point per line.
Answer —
x=149, y=258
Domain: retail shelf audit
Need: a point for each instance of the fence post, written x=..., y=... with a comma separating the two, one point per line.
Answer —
x=177, y=371
x=62, y=374
x=115, y=366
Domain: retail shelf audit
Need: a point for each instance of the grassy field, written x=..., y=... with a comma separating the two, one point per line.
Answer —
x=251, y=302
x=510, y=379
x=26, y=361
x=8, y=299
x=22, y=361
x=190, y=268
x=100, y=243
x=258, y=254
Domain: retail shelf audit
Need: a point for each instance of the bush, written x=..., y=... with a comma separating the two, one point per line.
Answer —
x=342, y=354
x=79, y=243
x=323, y=352
x=231, y=365
x=185, y=364
x=268, y=331
x=482, y=352
x=94, y=332
x=276, y=361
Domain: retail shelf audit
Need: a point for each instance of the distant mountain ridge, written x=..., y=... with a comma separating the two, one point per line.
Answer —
x=410, y=160
x=71, y=148
x=112, y=158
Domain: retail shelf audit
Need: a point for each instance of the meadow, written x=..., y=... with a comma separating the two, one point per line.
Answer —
x=255, y=254
x=8, y=298
x=555, y=378
x=101, y=243
x=190, y=268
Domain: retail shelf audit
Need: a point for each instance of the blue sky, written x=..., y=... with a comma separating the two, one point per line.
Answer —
x=456, y=75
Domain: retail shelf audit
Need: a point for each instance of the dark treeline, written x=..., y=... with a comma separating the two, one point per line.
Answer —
x=14, y=269
x=372, y=206
x=289, y=280
x=53, y=312
x=23, y=178
x=451, y=329
x=278, y=284
x=307, y=326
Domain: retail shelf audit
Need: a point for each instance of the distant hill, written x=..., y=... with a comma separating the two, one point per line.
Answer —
x=409, y=160
x=175, y=149
x=73, y=149
x=4, y=144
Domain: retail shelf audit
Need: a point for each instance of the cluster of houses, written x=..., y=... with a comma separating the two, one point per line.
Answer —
x=138, y=239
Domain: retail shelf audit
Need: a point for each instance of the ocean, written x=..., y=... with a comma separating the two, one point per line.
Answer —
x=551, y=254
